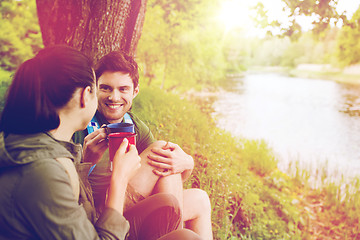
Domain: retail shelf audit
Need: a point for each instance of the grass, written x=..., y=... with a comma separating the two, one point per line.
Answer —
x=335, y=200
x=251, y=198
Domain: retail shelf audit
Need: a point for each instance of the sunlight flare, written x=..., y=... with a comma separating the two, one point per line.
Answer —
x=235, y=14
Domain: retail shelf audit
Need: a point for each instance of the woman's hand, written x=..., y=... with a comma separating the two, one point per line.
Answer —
x=125, y=165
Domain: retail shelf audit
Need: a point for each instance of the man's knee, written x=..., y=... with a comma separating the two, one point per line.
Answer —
x=159, y=143
x=184, y=234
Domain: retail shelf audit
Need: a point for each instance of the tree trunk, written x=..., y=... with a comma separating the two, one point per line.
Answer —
x=95, y=27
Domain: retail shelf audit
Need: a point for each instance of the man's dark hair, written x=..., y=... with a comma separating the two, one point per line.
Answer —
x=41, y=86
x=118, y=61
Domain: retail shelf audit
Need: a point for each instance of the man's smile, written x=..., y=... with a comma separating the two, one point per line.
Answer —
x=114, y=105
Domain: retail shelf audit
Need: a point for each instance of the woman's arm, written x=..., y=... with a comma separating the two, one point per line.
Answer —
x=45, y=199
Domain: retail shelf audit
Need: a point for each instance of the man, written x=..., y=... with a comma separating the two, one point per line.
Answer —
x=164, y=165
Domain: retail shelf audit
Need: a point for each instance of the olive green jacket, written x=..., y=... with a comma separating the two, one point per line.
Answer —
x=37, y=199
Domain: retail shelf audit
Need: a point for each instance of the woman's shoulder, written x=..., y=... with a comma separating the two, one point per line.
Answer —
x=43, y=177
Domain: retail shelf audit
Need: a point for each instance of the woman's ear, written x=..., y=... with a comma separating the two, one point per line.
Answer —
x=85, y=96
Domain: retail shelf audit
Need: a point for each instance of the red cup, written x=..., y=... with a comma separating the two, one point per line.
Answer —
x=115, y=139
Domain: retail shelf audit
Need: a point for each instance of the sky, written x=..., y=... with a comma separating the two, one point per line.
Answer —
x=350, y=6
x=235, y=13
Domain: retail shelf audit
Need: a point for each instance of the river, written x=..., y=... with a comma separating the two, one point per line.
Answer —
x=312, y=121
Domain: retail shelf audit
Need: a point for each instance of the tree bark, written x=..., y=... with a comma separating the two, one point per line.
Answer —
x=95, y=27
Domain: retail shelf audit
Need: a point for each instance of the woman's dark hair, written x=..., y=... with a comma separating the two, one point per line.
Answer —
x=118, y=61
x=41, y=86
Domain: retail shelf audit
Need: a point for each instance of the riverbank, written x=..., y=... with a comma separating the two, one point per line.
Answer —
x=251, y=198
x=350, y=75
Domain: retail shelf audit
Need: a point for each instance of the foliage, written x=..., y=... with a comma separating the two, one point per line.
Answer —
x=328, y=46
x=269, y=51
x=324, y=15
x=183, y=47
x=277, y=51
x=5, y=79
x=20, y=35
x=261, y=20
x=323, y=11
x=236, y=48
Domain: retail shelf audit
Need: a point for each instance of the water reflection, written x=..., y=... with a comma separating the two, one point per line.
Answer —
x=313, y=121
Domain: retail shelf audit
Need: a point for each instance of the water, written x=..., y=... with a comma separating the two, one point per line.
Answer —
x=315, y=122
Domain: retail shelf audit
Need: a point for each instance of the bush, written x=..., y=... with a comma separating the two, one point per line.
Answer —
x=5, y=80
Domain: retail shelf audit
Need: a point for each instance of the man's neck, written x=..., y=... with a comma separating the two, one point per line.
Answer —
x=102, y=120
x=116, y=121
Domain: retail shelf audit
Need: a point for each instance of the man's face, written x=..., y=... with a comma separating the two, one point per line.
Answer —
x=115, y=95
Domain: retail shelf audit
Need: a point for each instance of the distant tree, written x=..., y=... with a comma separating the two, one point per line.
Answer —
x=348, y=44
x=323, y=13
x=165, y=45
x=185, y=47
x=95, y=27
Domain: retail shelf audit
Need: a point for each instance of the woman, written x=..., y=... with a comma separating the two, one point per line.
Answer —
x=52, y=96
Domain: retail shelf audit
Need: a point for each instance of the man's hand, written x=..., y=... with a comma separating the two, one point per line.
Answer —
x=171, y=159
x=95, y=145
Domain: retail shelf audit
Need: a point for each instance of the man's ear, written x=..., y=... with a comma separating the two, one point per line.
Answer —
x=85, y=96
x=136, y=91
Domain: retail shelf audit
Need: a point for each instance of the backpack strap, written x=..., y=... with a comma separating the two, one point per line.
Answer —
x=127, y=118
x=93, y=125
